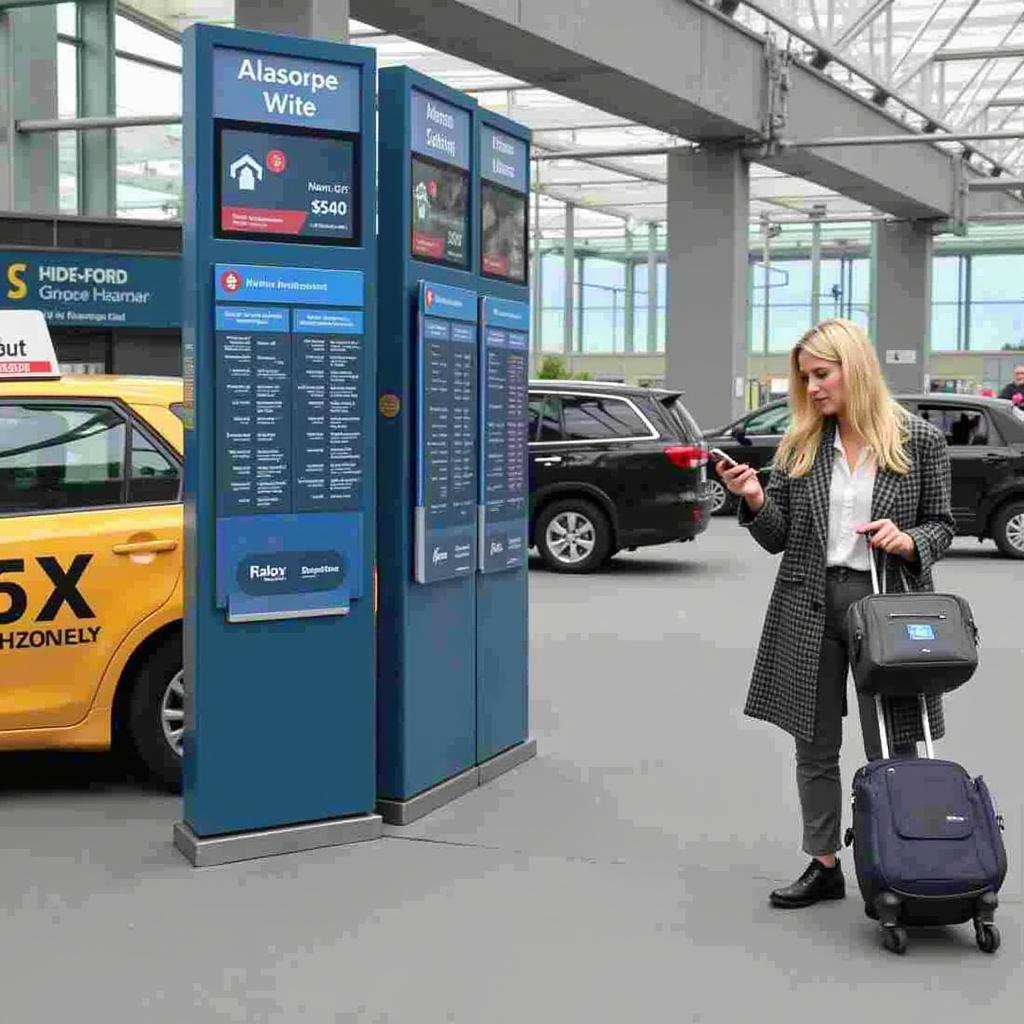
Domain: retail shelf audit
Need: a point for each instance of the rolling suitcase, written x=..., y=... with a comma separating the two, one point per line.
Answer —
x=927, y=842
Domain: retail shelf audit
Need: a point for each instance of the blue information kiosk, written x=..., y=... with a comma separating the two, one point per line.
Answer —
x=443, y=703
x=279, y=331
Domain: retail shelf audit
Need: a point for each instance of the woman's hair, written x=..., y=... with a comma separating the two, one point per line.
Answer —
x=872, y=411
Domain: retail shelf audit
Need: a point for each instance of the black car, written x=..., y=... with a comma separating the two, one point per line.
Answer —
x=986, y=452
x=611, y=466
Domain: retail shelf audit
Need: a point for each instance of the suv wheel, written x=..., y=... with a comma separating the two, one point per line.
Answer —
x=1008, y=529
x=722, y=502
x=573, y=535
x=156, y=714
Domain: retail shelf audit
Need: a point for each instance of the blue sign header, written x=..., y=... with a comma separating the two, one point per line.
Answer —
x=503, y=313
x=93, y=290
x=245, y=283
x=439, y=130
x=280, y=89
x=502, y=158
x=451, y=303
x=252, y=319
x=328, y=321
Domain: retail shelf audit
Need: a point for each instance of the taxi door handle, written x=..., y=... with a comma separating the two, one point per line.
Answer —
x=144, y=546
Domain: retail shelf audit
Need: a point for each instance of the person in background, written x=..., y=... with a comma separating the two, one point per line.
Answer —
x=1014, y=391
x=855, y=475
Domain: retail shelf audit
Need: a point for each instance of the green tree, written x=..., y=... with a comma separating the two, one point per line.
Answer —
x=554, y=368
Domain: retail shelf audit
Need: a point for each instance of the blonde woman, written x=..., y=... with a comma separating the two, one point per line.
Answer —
x=853, y=469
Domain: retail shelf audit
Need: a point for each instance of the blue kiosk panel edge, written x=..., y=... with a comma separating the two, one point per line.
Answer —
x=502, y=639
x=426, y=722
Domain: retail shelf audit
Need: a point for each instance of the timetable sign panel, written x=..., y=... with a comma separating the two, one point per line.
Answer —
x=446, y=428
x=504, y=416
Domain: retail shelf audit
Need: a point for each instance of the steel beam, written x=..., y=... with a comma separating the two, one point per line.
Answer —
x=607, y=153
x=84, y=124
x=859, y=24
x=980, y=53
x=899, y=140
x=996, y=184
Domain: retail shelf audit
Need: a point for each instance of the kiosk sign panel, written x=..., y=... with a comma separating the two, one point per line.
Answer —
x=503, y=198
x=439, y=176
x=446, y=475
x=287, y=183
x=284, y=89
x=504, y=475
x=290, y=373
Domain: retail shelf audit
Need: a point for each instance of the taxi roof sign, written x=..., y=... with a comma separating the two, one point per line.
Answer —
x=26, y=349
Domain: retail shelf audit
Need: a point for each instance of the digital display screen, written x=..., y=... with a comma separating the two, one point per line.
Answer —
x=440, y=213
x=502, y=233
x=287, y=184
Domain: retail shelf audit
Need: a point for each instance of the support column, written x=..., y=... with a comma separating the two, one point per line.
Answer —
x=629, y=296
x=536, y=283
x=568, y=303
x=97, y=150
x=317, y=19
x=706, y=350
x=901, y=301
x=28, y=90
x=816, y=271
x=652, y=287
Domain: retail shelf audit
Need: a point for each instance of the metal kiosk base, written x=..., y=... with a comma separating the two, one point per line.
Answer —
x=404, y=812
x=206, y=852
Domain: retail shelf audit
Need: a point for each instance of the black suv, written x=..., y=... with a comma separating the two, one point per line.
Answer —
x=611, y=467
x=986, y=453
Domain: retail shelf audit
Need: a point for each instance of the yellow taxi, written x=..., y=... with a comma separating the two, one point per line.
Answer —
x=91, y=564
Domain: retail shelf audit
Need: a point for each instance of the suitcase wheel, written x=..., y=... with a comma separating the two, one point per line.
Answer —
x=987, y=936
x=895, y=938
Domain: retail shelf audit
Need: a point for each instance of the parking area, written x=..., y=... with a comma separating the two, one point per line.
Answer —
x=622, y=874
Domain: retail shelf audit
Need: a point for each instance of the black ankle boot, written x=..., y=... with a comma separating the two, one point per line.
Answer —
x=816, y=883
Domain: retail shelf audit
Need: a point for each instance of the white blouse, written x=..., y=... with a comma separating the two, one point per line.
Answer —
x=849, y=506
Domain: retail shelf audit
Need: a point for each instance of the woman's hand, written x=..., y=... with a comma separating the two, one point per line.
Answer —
x=888, y=537
x=742, y=480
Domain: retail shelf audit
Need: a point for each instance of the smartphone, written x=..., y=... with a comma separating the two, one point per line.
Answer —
x=719, y=456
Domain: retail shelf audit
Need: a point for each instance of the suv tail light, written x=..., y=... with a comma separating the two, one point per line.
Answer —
x=687, y=456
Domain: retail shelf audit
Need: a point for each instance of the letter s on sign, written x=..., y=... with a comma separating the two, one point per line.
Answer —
x=18, y=289
x=19, y=601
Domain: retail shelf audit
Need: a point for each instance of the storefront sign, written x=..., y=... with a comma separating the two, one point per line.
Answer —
x=76, y=289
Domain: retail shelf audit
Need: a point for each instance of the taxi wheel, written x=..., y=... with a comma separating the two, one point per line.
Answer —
x=156, y=715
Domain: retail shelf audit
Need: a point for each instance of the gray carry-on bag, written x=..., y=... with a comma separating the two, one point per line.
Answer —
x=910, y=643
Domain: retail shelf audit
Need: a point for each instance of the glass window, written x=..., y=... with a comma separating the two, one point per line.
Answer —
x=769, y=421
x=545, y=418
x=946, y=335
x=961, y=426
x=594, y=419
x=154, y=477
x=67, y=19
x=54, y=457
x=131, y=37
x=997, y=326
x=997, y=277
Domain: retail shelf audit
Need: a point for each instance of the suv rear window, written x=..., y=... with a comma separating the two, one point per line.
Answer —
x=592, y=418
x=680, y=415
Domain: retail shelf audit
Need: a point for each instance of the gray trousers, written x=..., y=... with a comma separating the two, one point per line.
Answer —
x=817, y=762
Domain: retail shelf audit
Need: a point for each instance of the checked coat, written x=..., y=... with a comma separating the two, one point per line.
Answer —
x=794, y=520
